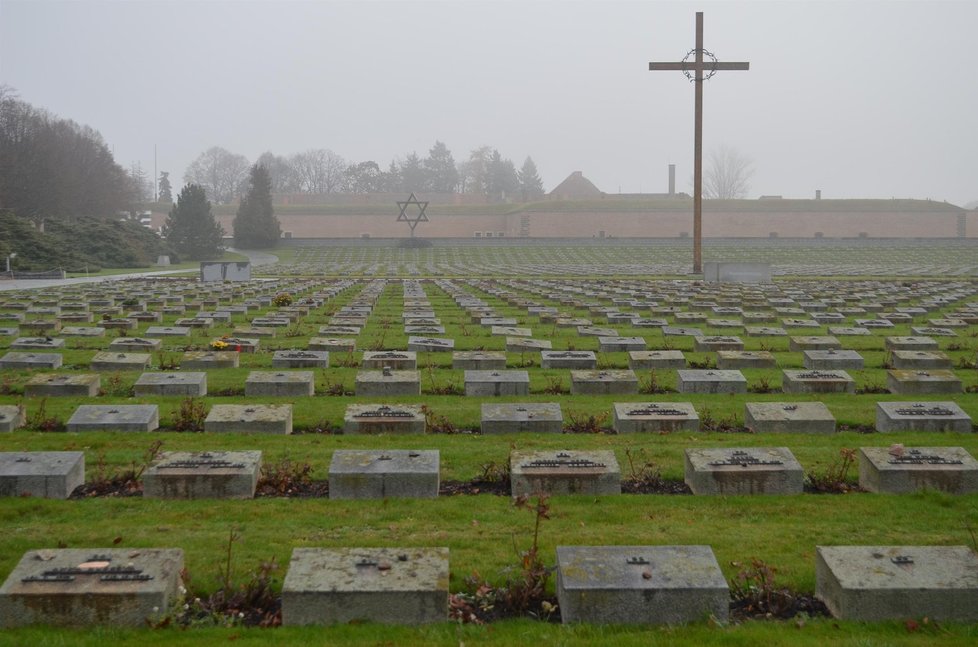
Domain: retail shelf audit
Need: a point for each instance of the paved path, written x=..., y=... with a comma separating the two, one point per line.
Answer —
x=256, y=258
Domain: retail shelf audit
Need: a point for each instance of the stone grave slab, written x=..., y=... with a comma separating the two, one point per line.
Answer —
x=205, y=359
x=765, y=331
x=640, y=585
x=800, y=323
x=757, y=316
x=643, y=322
x=910, y=343
x=478, y=360
x=813, y=342
x=81, y=587
x=524, y=344
x=37, y=343
x=816, y=381
x=74, y=385
x=30, y=361
x=203, y=475
x=932, y=331
x=399, y=360
x=711, y=381
x=83, y=331
x=734, y=360
x=9, y=332
x=116, y=361
x=573, y=359
x=899, y=469
x=510, y=331
x=528, y=417
x=11, y=417
x=193, y=384
x=712, y=343
x=40, y=326
x=47, y=475
x=249, y=419
x=333, y=344
x=564, y=472
x=300, y=359
x=279, y=322
x=617, y=344
x=921, y=416
x=167, y=331
x=879, y=583
x=754, y=470
x=789, y=417
x=379, y=474
x=681, y=331
x=383, y=419
x=833, y=360
x=253, y=332
x=138, y=344
x=279, y=383
x=608, y=382
x=849, y=331
x=407, y=586
x=496, y=383
x=387, y=382
x=656, y=359
x=430, y=344
x=114, y=417
x=920, y=359
x=920, y=382
x=424, y=330
x=654, y=417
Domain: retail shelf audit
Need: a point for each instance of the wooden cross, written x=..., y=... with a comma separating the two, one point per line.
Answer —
x=695, y=71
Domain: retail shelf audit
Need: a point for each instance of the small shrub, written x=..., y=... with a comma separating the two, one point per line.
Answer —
x=641, y=470
x=191, y=415
x=167, y=362
x=284, y=477
x=720, y=425
x=555, y=385
x=753, y=591
x=584, y=423
x=121, y=482
x=650, y=385
x=436, y=423
x=835, y=480
x=41, y=421
x=282, y=299
x=494, y=472
x=763, y=386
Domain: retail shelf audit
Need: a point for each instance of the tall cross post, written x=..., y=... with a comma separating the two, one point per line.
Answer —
x=695, y=72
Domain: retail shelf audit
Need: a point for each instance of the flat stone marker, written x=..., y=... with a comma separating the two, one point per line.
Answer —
x=399, y=360
x=754, y=470
x=43, y=386
x=932, y=331
x=816, y=342
x=816, y=381
x=114, y=417
x=406, y=586
x=478, y=360
x=921, y=416
x=734, y=360
x=789, y=417
x=376, y=474
x=849, y=331
x=171, y=383
x=765, y=331
x=40, y=326
x=279, y=383
x=83, y=331
x=922, y=382
x=47, y=475
x=615, y=344
x=387, y=382
x=528, y=417
x=833, y=360
x=203, y=475
x=656, y=359
x=249, y=419
x=640, y=585
x=430, y=344
x=609, y=382
x=679, y=331
x=137, y=344
x=334, y=344
x=115, y=361
x=36, y=343
x=711, y=343
x=496, y=383
x=167, y=331
x=11, y=417
x=878, y=583
x=524, y=344
x=300, y=359
x=574, y=359
x=564, y=472
x=920, y=359
x=711, y=381
x=383, y=419
x=205, y=359
x=81, y=587
x=654, y=417
x=30, y=361
x=910, y=343
x=899, y=469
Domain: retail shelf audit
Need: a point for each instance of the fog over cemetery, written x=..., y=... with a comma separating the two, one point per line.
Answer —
x=488, y=323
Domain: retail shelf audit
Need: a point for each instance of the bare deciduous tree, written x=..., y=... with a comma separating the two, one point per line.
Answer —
x=220, y=172
x=319, y=171
x=727, y=177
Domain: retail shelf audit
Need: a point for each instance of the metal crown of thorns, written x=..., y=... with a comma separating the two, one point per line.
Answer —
x=412, y=222
x=707, y=74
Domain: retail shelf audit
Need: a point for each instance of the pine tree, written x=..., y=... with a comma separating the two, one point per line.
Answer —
x=190, y=229
x=255, y=225
x=166, y=191
x=531, y=186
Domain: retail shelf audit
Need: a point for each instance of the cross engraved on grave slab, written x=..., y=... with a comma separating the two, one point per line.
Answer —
x=819, y=375
x=412, y=221
x=205, y=460
x=923, y=410
x=107, y=573
x=384, y=412
x=743, y=459
x=915, y=457
x=390, y=356
x=562, y=460
x=656, y=411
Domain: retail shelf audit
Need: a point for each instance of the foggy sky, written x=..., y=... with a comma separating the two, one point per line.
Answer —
x=858, y=98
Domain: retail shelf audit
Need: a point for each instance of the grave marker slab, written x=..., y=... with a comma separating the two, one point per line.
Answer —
x=249, y=419
x=11, y=417
x=383, y=419
x=922, y=382
x=734, y=360
x=333, y=344
x=478, y=360
x=910, y=343
x=813, y=342
x=280, y=383
x=379, y=474
x=529, y=417
x=833, y=360
x=711, y=381
x=114, y=417
x=406, y=586
x=39, y=343
x=30, y=361
x=656, y=359
x=755, y=470
x=899, y=469
x=171, y=383
x=789, y=417
x=47, y=475
x=496, y=383
x=387, y=382
x=205, y=359
x=430, y=344
x=75, y=385
x=640, y=585
x=817, y=381
x=300, y=359
x=564, y=472
x=91, y=586
x=137, y=344
x=712, y=343
x=920, y=359
x=167, y=331
x=399, y=360
x=921, y=416
x=203, y=475
x=608, y=382
x=115, y=361
x=524, y=344
x=615, y=344
x=654, y=417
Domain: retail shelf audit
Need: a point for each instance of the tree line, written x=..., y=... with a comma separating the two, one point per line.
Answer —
x=485, y=172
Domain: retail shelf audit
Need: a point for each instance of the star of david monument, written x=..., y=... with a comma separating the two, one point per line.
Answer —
x=703, y=66
x=407, y=216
